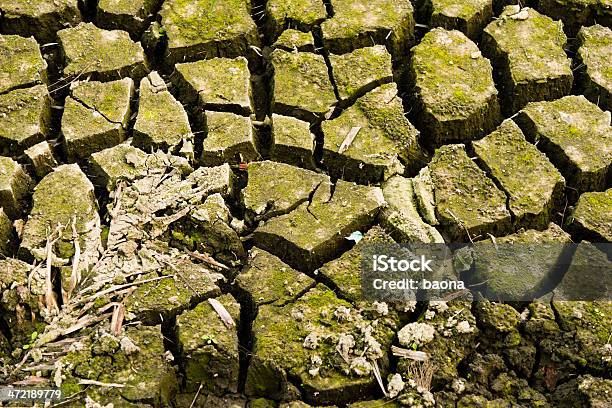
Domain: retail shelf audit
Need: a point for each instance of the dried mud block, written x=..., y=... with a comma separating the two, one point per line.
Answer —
x=587, y=277
x=293, y=142
x=103, y=55
x=38, y=18
x=577, y=13
x=121, y=162
x=315, y=231
x=209, y=348
x=266, y=280
x=575, y=135
x=162, y=122
x=275, y=188
x=96, y=116
x=229, y=139
x=41, y=158
x=218, y=84
x=534, y=186
x=21, y=63
x=592, y=217
x=448, y=337
x=401, y=216
x=469, y=17
x=585, y=390
x=455, y=95
x=301, y=85
x=590, y=324
x=468, y=204
x=294, y=40
x=424, y=196
x=300, y=14
x=159, y=301
x=58, y=198
x=201, y=29
x=15, y=187
x=596, y=77
x=306, y=340
x=344, y=273
x=25, y=117
x=385, y=144
x=359, y=23
x=148, y=377
x=530, y=275
x=127, y=15
x=527, y=52
x=207, y=229
x=20, y=291
x=7, y=235
x=361, y=71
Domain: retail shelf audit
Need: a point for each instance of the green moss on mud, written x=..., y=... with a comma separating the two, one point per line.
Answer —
x=386, y=143
x=533, y=184
x=454, y=87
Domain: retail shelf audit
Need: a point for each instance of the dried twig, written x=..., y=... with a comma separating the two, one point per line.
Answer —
x=223, y=313
x=350, y=137
x=378, y=376
x=411, y=354
x=196, y=396
x=117, y=319
x=208, y=259
x=101, y=384
x=75, y=277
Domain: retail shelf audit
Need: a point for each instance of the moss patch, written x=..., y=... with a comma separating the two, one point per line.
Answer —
x=96, y=115
x=15, y=187
x=104, y=55
x=300, y=14
x=468, y=204
x=455, y=92
x=220, y=84
x=38, y=18
x=279, y=351
x=25, y=116
x=575, y=135
x=469, y=17
x=401, y=216
x=314, y=232
x=361, y=71
x=293, y=142
x=357, y=24
x=596, y=80
x=162, y=121
x=514, y=278
x=528, y=56
x=301, y=85
x=229, y=139
x=210, y=348
x=61, y=195
x=207, y=29
x=292, y=40
x=21, y=63
x=592, y=217
x=162, y=300
x=533, y=184
x=386, y=142
x=268, y=280
x=127, y=15
x=277, y=188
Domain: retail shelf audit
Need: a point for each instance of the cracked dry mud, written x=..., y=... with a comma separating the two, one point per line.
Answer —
x=179, y=179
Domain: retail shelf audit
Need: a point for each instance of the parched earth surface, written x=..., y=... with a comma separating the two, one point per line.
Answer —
x=186, y=188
